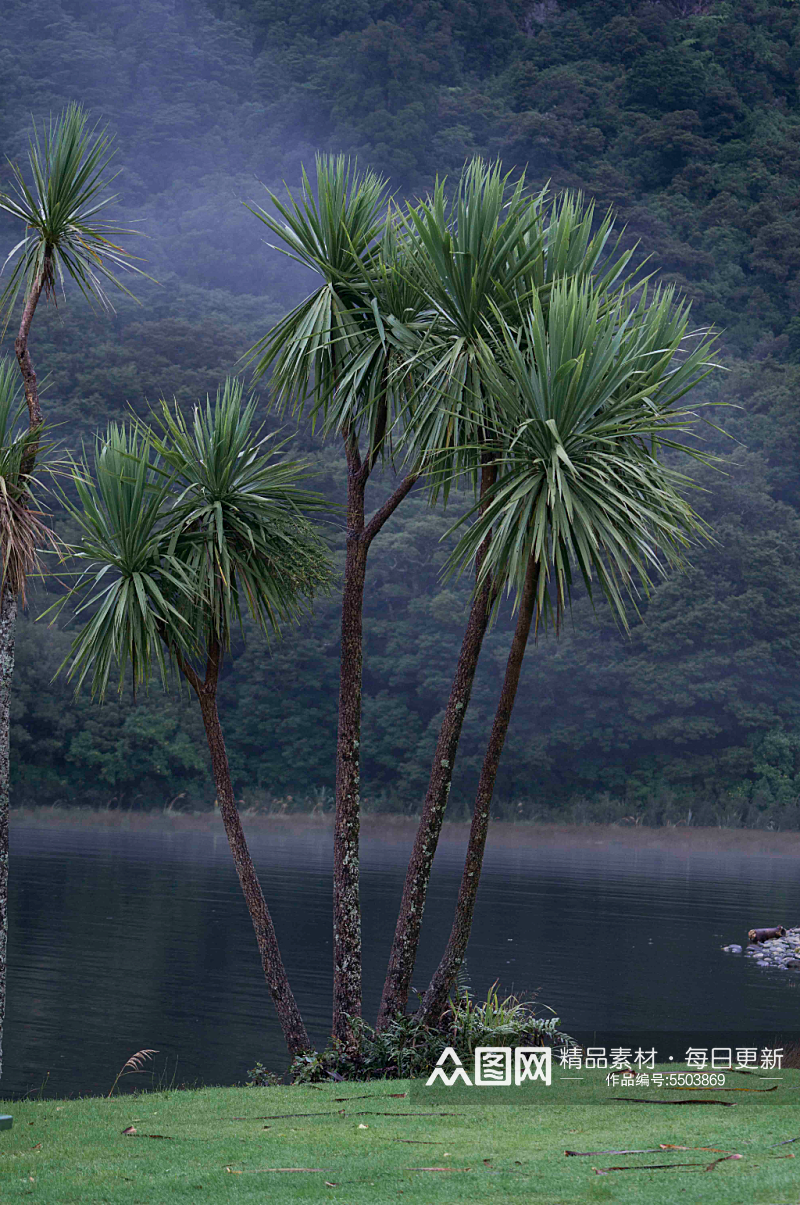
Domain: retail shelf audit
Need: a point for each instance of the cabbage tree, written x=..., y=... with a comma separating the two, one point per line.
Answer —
x=482, y=260
x=186, y=530
x=59, y=202
x=335, y=359
x=589, y=395
x=23, y=534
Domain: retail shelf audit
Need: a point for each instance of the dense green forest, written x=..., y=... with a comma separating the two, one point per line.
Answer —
x=685, y=118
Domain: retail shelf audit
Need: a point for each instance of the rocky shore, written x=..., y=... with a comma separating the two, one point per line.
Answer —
x=782, y=953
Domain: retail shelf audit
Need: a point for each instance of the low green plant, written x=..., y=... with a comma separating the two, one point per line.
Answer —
x=259, y=1077
x=408, y=1048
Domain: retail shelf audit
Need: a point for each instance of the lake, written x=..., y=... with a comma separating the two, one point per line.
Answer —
x=125, y=939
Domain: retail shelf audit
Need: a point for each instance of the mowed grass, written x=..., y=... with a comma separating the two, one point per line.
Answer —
x=363, y=1143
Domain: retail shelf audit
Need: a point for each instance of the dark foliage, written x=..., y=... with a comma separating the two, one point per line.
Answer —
x=685, y=117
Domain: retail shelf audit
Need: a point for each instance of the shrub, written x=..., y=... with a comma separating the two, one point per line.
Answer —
x=407, y=1048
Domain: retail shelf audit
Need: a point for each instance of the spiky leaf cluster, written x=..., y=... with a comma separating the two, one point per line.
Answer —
x=588, y=397
x=186, y=526
x=60, y=205
x=23, y=531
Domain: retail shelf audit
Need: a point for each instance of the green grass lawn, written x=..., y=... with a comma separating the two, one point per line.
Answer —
x=364, y=1143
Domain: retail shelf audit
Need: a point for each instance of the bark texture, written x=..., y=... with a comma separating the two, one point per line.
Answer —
x=409, y=921
x=346, y=897
x=294, y=1031
x=435, y=998
x=29, y=382
x=8, y=616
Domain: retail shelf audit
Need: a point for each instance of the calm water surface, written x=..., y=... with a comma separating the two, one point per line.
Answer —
x=123, y=940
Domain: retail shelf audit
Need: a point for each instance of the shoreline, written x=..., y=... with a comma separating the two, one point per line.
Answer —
x=393, y=827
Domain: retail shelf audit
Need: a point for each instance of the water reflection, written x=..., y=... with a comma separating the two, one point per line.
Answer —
x=122, y=940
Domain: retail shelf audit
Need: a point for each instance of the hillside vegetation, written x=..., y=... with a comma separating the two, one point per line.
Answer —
x=685, y=118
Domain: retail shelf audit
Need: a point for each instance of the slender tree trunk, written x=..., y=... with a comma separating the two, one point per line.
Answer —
x=409, y=921
x=8, y=616
x=29, y=381
x=294, y=1031
x=346, y=898
x=8, y=621
x=435, y=998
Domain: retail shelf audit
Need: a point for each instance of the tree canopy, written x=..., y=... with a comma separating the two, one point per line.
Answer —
x=685, y=120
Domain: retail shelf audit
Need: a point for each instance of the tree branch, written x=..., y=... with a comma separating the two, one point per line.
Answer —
x=389, y=507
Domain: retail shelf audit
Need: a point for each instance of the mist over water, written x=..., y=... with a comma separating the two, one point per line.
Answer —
x=120, y=941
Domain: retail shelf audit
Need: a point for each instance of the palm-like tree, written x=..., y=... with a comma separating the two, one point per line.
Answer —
x=185, y=530
x=390, y=350
x=588, y=395
x=22, y=534
x=335, y=357
x=60, y=205
x=482, y=260
x=66, y=235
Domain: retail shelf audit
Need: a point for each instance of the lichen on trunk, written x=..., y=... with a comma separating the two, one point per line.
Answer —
x=294, y=1031
x=435, y=998
x=8, y=616
x=409, y=920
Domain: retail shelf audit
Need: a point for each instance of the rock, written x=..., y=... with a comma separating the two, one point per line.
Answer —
x=793, y=964
x=732, y=949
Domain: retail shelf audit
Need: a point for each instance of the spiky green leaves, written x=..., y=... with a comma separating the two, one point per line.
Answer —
x=390, y=341
x=334, y=234
x=238, y=522
x=131, y=593
x=587, y=395
x=22, y=532
x=482, y=260
x=184, y=529
x=60, y=207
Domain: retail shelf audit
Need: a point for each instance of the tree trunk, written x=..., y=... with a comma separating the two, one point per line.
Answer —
x=8, y=616
x=294, y=1031
x=435, y=998
x=346, y=900
x=29, y=381
x=8, y=619
x=409, y=921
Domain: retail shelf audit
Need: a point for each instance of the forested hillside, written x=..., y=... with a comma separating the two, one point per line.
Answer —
x=685, y=118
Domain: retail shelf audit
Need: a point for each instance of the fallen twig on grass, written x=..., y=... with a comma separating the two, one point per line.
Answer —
x=714, y=1150
x=786, y=1142
x=648, y=1150
x=284, y=1116
x=342, y=1113
x=652, y=1150
x=657, y=1167
x=643, y=1100
x=412, y=1141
